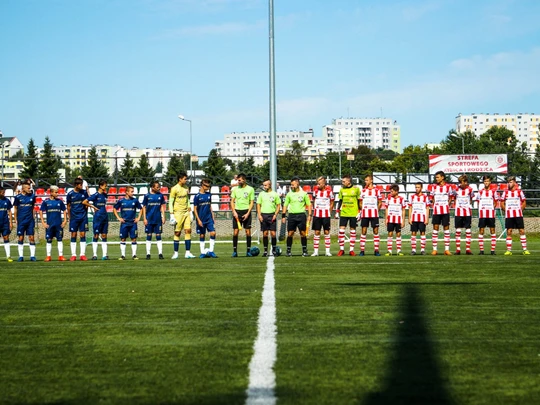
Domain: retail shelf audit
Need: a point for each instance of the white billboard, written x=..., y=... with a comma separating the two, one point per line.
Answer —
x=468, y=163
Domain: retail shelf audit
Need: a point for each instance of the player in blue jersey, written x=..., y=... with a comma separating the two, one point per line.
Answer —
x=98, y=202
x=128, y=221
x=55, y=210
x=6, y=221
x=78, y=219
x=153, y=212
x=205, y=218
x=24, y=216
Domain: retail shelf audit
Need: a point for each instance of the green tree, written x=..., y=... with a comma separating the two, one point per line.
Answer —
x=95, y=169
x=143, y=169
x=292, y=162
x=19, y=155
x=49, y=163
x=214, y=167
x=159, y=167
x=174, y=167
x=31, y=161
x=127, y=170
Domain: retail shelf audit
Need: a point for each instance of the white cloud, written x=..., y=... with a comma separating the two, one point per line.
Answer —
x=418, y=11
x=215, y=29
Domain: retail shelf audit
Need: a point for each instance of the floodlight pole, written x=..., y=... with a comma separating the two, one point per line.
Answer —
x=272, y=106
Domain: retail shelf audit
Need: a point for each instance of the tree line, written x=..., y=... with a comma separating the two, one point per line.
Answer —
x=360, y=161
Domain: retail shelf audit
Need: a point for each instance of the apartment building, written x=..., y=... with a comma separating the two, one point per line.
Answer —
x=525, y=126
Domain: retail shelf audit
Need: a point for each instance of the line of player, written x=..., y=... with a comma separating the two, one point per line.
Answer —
x=352, y=206
x=55, y=214
x=355, y=206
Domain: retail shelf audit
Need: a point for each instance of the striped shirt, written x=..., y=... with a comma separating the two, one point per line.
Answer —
x=513, y=200
x=370, y=202
x=394, y=209
x=322, y=200
x=440, y=196
x=417, y=207
x=463, y=198
x=486, y=203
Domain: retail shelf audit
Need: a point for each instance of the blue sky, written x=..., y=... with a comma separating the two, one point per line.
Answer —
x=120, y=71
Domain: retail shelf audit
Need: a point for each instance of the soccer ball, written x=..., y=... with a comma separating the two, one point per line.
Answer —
x=254, y=251
x=278, y=251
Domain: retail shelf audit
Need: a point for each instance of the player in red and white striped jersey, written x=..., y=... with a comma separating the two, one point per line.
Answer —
x=440, y=196
x=463, y=213
x=513, y=203
x=419, y=204
x=394, y=218
x=323, y=205
x=487, y=199
x=370, y=203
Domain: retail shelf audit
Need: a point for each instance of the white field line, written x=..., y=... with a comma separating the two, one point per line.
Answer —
x=262, y=379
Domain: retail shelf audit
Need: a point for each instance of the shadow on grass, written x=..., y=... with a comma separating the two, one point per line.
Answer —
x=412, y=283
x=414, y=375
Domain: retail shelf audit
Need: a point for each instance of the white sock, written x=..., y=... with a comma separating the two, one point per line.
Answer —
x=73, y=246
x=148, y=246
x=7, y=248
x=104, y=248
x=49, y=249
x=160, y=247
x=134, y=249
x=122, y=248
x=32, y=250
x=21, y=250
x=212, y=244
x=95, y=248
x=83, y=248
x=60, y=248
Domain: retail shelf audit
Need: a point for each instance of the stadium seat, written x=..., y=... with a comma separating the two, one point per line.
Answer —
x=92, y=190
x=215, y=207
x=164, y=190
x=225, y=189
x=61, y=191
x=410, y=187
x=224, y=207
x=474, y=186
x=503, y=186
x=142, y=191
x=9, y=192
x=214, y=189
x=214, y=198
x=111, y=199
x=40, y=191
x=122, y=190
x=109, y=208
x=336, y=188
x=112, y=191
x=69, y=189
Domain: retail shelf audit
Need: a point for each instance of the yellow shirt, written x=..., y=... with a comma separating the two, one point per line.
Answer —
x=179, y=199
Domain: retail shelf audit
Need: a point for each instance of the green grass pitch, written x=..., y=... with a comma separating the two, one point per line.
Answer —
x=351, y=330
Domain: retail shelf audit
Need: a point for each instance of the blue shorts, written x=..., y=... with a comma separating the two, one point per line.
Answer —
x=128, y=229
x=78, y=225
x=154, y=228
x=4, y=229
x=101, y=227
x=208, y=227
x=26, y=228
x=54, y=231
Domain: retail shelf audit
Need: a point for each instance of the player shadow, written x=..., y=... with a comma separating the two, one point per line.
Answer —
x=412, y=283
x=414, y=375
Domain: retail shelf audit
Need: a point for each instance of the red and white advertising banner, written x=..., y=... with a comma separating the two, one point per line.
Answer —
x=468, y=163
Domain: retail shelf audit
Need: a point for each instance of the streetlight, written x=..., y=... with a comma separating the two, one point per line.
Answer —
x=190, y=144
x=4, y=144
x=462, y=142
x=339, y=146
